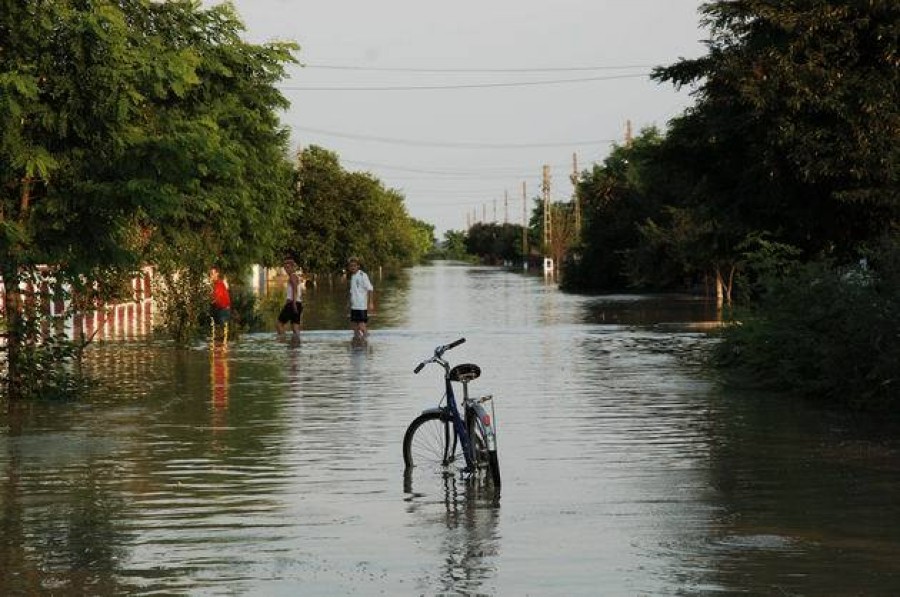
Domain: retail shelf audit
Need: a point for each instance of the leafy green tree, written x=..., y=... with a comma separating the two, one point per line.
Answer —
x=619, y=196
x=564, y=238
x=317, y=240
x=793, y=144
x=423, y=237
x=796, y=127
x=495, y=243
x=67, y=97
x=454, y=245
x=221, y=153
x=344, y=213
x=128, y=130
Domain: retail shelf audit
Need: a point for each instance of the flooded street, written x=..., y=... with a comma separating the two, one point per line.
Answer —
x=272, y=469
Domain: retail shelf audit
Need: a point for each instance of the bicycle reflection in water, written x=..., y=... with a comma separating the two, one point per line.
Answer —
x=458, y=522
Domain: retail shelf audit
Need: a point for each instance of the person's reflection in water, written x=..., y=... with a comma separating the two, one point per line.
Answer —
x=293, y=364
x=469, y=542
x=219, y=373
x=359, y=350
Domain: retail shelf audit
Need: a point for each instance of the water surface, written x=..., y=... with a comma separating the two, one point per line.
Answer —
x=275, y=469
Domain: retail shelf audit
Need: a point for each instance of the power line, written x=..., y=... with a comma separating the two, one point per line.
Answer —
x=498, y=172
x=556, y=69
x=464, y=85
x=449, y=144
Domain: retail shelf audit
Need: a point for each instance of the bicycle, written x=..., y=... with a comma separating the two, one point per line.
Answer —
x=444, y=437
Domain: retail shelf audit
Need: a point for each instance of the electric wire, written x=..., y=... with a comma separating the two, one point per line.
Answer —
x=448, y=144
x=473, y=70
x=462, y=85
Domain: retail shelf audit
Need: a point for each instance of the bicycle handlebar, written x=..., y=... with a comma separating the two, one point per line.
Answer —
x=447, y=347
x=438, y=353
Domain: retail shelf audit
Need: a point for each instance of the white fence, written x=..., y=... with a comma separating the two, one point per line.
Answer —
x=124, y=320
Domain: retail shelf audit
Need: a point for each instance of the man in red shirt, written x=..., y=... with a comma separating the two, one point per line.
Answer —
x=220, y=309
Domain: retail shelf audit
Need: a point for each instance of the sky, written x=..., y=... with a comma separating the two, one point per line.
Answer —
x=459, y=105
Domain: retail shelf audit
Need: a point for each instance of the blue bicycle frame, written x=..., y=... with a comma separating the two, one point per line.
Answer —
x=459, y=425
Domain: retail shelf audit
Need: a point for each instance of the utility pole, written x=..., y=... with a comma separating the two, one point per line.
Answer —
x=628, y=137
x=495, y=212
x=575, y=198
x=505, y=206
x=549, y=265
x=524, y=228
x=545, y=189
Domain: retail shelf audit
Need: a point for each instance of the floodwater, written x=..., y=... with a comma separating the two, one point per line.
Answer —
x=276, y=469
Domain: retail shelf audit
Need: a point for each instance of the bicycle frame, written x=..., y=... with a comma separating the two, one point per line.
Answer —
x=459, y=426
x=472, y=430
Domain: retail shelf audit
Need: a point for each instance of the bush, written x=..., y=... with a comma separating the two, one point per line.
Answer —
x=245, y=312
x=826, y=333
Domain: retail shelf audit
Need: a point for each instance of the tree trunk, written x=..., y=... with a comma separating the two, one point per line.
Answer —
x=729, y=286
x=720, y=289
x=724, y=286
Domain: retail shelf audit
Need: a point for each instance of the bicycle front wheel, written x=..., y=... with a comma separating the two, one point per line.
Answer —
x=431, y=442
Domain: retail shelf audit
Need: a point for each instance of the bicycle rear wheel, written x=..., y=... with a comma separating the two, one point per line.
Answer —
x=486, y=459
x=430, y=442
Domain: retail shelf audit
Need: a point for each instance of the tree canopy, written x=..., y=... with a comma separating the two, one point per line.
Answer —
x=127, y=125
x=134, y=132
x=343, y=213
x=793, y=138
x=796, y=127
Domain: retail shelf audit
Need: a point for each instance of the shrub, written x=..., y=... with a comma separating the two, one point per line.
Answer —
x=826, y=333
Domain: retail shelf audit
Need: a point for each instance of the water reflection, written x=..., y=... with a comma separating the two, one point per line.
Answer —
x=219, y=372
x=276, y=468
x=466, y=520
x=661, y=312
x=59, y=522
x=802, y=499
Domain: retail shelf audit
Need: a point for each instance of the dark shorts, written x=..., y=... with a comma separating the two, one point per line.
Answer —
x=359, y=315
x=287, y=313
x=220, y=316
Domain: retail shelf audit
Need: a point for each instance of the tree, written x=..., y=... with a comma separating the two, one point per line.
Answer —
x=454, y=245
x=317, y=242
x=423, y=237
x=796, y=127
x=494, y=243
x=344, y=213
x=792, y=151
x=222, y=153
x=129, y=131
x=618, y=197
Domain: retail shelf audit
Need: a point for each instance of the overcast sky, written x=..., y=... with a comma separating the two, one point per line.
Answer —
x=457, y=104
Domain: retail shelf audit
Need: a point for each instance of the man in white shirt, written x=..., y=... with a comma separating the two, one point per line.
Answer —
x=362, y=298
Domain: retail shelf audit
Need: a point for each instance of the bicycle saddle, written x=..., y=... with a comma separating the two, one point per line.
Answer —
x=465, y=372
